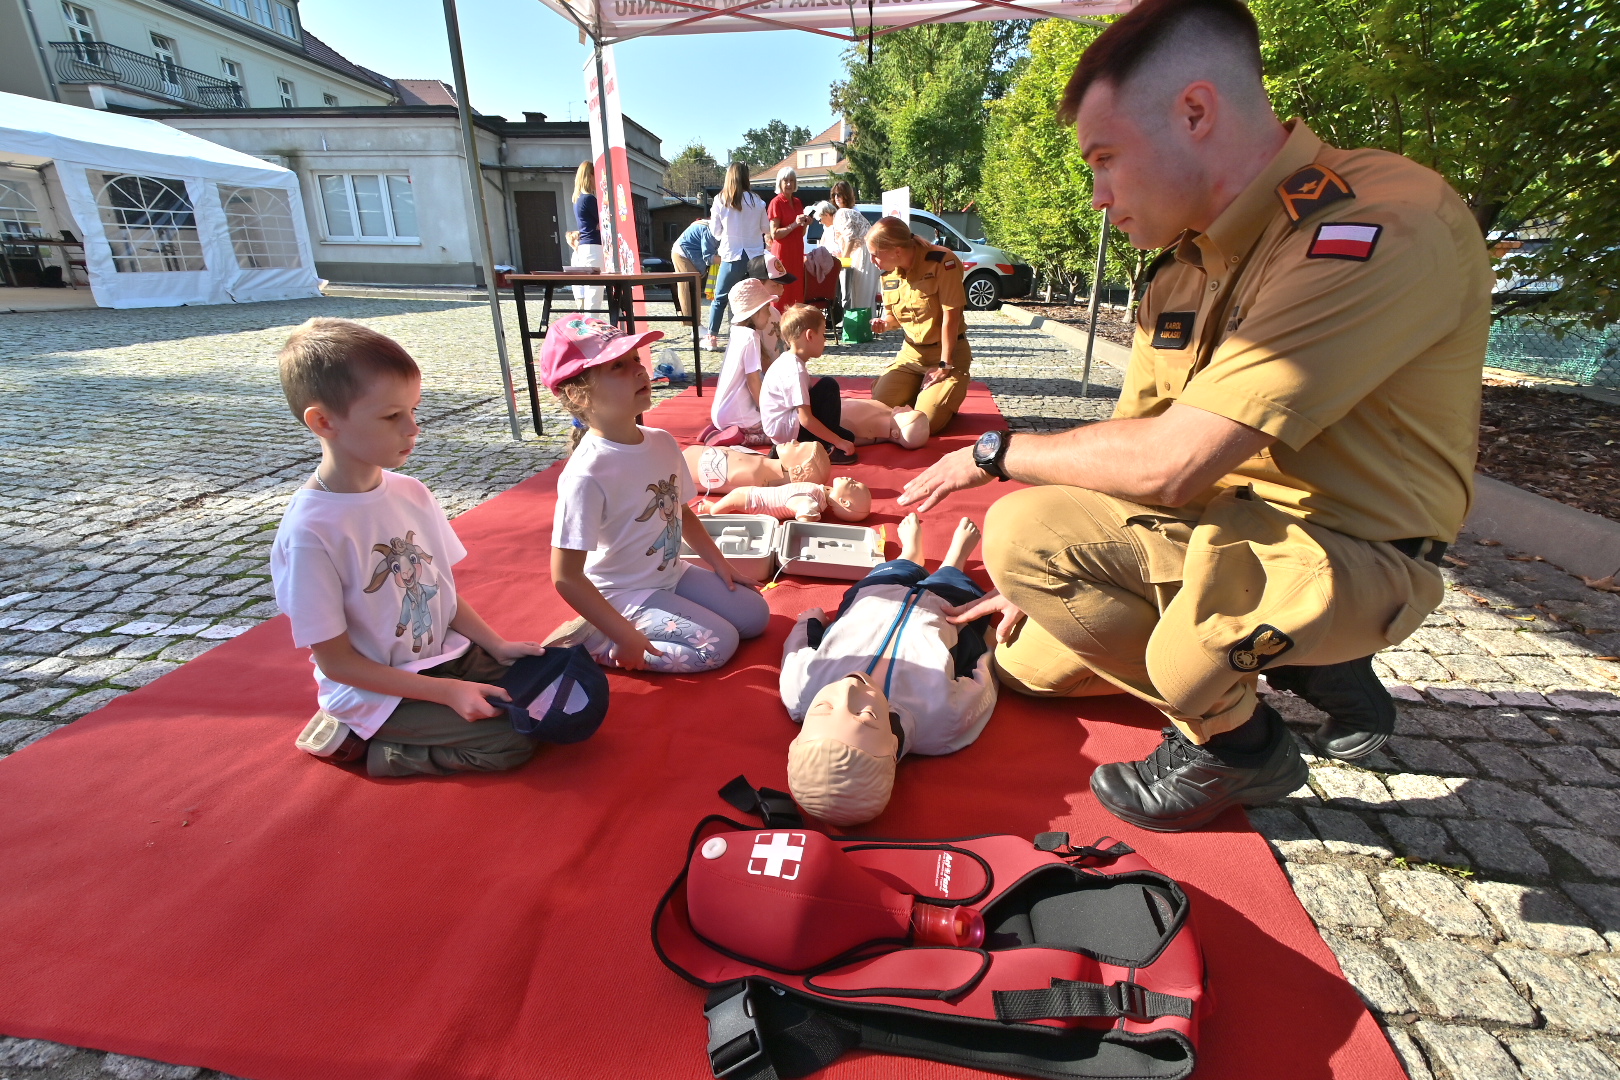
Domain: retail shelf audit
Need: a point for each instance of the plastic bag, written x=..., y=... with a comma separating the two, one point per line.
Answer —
x=857, y=326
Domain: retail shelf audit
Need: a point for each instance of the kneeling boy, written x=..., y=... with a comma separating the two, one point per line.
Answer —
x=891, y=675
x=361, y=565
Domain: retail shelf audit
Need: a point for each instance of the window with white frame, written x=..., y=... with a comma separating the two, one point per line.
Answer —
x=288, y=98
x=261, y=13
x=168, y=60
x=18, y=214
x=149, y=223
x=231, y=70
x=237, y=7
x=329, y=100
x=261, y=225
x=79, y=26
x=284, y=20
x=368, y=207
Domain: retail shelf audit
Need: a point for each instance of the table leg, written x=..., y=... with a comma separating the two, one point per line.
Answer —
x=697, y=319
x=528, y=351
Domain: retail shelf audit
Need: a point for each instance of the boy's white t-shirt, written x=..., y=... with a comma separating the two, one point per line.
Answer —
x=622, y=505
x=785, y=387
x=733, y=402
x=375, y=565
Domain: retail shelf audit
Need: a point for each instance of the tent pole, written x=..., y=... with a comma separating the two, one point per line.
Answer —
x=611, y=256
x=1096, y=288
x=475, y=177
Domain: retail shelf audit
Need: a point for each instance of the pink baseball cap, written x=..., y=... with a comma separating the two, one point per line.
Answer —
x=581, y=342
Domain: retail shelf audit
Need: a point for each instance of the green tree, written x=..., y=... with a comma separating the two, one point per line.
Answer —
x=918, y=109
x=692, y=169
x=764, y=147
x=1035, y=197
x=1512, y=101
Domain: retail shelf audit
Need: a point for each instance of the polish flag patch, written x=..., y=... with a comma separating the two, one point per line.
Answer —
x=1351, y=240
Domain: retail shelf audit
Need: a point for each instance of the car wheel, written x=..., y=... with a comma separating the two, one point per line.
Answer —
x=983, y=294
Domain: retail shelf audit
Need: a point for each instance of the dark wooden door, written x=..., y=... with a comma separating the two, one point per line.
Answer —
x=540, y=240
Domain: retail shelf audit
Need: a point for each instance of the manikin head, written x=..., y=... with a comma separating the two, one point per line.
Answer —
x=841, y=766
x=804, y=463
x=1172, y=116
x=848, y=499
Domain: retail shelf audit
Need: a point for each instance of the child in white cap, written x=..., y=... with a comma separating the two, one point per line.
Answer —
x=755, y=341
x=621, y=516
x=890, y=674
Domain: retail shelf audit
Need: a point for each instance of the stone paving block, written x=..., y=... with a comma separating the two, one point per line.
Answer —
x=171, y=605
x=1545, y=1057
x=95, y=672
x=33, y=1053
x=1585, y=702
x=1445, y=723
x=1414, y=666
x=188, y=649
x=1568, y=995
x=1427, y=796
x=1505, y=642
x=1430, y=756
x=50, y=644
x=1501, y=762
x=1511, y=725
x=1440, y=642
x=1572, y=730
x=19, y=730
x=1495, y=800
x=1496, y=845
x=143, y=627
x=91, y=648
x=36, y=736
x=1478, y=669
x=1351, y=788
x=1379, y=985
x=1467, y=1053
x=34, y=701
x=134, y=1068
x=1461, y=694
x=1600, y=857
x=1406, y=1049
x=223, y=605
x=49, y=668
x=1519, y=698
x=1596, y=808
x=1538, y=670
x=1343, y=833
x=1461, y=982
x=264, y=609
x=1437, y=900
x=1422, y=840
x=141, y=674
x=1572, y=765
x=75, y=707
x=1536, y=917
x=1336, y=895
x=225, y=630
x=1284, y=831
x=142, y=647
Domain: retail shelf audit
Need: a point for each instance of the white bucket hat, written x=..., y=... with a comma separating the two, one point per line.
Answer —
x=747, y=297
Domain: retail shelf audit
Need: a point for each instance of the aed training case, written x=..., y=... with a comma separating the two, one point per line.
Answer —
x=814, y=945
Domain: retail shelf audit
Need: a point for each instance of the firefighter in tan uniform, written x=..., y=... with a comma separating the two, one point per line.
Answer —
x=1294, y=442
x=922, y=297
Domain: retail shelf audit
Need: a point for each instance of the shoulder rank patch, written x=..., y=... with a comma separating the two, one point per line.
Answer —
x=1313, y=188
x=1174, y=329
x=1264, y=644
x=949, y=264
x=1160, y=261
x=935, y=255
x=1353, y=240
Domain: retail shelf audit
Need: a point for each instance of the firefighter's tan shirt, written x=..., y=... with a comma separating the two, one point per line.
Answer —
x=1342, y=305
x=917, y=297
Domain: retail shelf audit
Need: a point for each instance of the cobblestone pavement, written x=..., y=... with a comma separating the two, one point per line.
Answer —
x=1468, y=877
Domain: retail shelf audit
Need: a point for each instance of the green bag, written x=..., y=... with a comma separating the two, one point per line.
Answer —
x=857, y=326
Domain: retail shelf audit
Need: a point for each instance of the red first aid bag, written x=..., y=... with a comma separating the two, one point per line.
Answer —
x=1031, y=958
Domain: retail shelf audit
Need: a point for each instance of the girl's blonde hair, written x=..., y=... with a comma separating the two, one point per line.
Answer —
x=736, y=185
x=585, y=179
x=574, y=395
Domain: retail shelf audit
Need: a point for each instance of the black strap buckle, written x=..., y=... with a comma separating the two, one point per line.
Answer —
x=775, y=808
x=736, y=1041
x=1131, y=1000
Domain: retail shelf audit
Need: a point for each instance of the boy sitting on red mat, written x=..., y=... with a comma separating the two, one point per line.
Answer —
x=361, y=565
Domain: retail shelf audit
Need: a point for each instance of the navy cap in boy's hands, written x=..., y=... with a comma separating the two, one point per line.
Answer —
x=559, y=696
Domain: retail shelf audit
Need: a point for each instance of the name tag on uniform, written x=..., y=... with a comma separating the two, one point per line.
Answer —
x=889, y=285
x=1174, y=329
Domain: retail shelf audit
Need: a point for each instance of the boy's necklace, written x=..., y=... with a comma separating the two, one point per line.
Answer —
x=321, y=482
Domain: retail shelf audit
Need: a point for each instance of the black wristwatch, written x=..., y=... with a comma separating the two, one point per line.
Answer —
x=990, y=451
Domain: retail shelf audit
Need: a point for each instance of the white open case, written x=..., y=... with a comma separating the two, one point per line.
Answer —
x=825, y=549
x=748, y=541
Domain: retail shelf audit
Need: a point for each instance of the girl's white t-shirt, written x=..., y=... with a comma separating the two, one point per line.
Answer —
x=733, y=402
x=376, y=566
x=621, y=504
x=785, y=387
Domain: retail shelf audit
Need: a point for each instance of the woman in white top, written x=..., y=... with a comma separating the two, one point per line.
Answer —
x=848, y=231
x=588, y=251
x=738, y=222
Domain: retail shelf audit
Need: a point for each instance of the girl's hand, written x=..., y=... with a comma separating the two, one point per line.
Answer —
x=734, y=577
x=630, y=652
x=470, y=699
x=508, y=651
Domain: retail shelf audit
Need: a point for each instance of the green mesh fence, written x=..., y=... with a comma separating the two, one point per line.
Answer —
x=1591, y=358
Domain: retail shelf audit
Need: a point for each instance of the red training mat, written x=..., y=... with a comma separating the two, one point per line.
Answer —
x=180, y=883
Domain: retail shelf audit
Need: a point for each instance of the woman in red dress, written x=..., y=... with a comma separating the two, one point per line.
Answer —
x=786, y=235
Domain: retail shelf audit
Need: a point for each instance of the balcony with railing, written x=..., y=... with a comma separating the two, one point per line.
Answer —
x=111, y=65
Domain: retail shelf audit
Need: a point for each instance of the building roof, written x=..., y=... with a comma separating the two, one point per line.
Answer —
x=425, y=92
x=834, y=134
x=322, y=53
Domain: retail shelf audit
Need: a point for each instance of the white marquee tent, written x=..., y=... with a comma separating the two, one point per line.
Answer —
x=166, y=218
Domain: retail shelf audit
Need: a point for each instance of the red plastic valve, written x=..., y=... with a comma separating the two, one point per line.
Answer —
x=960, y=927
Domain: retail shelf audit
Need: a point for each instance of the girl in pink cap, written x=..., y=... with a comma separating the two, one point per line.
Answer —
x=622, y=514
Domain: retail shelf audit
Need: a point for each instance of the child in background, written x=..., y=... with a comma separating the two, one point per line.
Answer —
x=361, y=565
x=791, y=409
x=734, y=416
x=621, y=513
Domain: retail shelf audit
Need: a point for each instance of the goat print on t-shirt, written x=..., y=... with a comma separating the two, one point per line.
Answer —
x=404, y=561
x=666, y=500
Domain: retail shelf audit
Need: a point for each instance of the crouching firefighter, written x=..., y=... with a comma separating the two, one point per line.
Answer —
x=1293, y=446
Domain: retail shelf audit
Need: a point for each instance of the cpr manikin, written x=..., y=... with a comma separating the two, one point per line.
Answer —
x=718, y=469
x=871, y=421
x=846, y=499
x=887, y=676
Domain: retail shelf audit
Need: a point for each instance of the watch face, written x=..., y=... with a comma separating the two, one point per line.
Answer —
x=985, y=449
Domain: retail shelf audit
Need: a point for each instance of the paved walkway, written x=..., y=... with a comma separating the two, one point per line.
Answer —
x=1468, y=878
